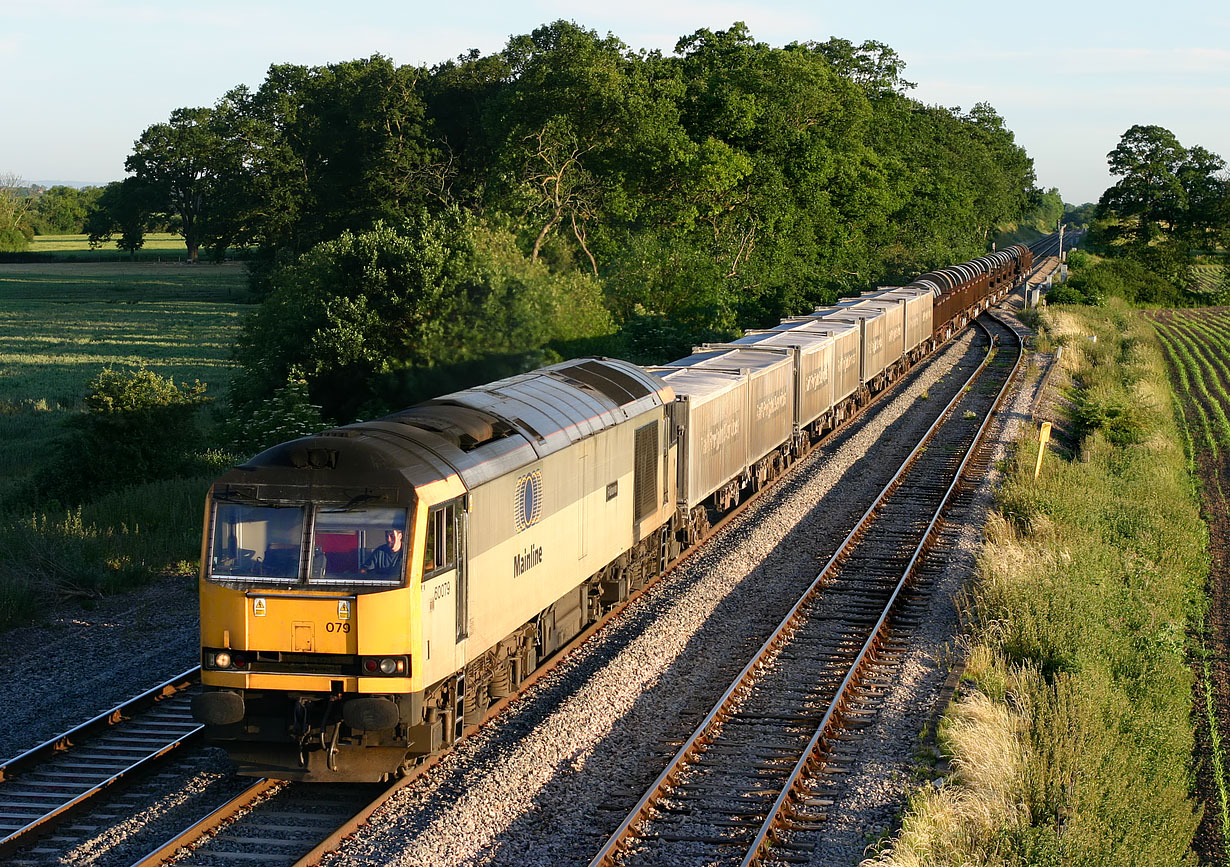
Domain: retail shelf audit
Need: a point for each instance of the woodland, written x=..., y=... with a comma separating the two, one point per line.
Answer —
x=411, y=230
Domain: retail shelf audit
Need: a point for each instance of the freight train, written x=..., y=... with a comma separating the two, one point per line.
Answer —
x=368, y=591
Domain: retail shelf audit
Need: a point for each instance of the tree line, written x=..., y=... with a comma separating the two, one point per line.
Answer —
x=563, y=194
x=29, y=210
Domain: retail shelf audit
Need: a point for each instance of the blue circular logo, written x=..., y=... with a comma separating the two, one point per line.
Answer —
x=527, y=505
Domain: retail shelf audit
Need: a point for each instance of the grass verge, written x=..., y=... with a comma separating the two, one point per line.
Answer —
x=1071, y=737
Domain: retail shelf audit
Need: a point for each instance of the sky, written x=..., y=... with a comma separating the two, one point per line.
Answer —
x=84, y=79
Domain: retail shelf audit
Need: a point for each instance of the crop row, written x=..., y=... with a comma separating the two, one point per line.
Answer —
x=1194, y=347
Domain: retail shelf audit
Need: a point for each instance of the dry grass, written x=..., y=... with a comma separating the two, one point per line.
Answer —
x=957, y=823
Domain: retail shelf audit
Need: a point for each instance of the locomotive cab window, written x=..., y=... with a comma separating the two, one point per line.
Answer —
x=364, y=546
x=440, y=547
x=314, y=545
x=258, y=543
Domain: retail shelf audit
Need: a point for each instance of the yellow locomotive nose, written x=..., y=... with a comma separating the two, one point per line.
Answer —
x=300, y=623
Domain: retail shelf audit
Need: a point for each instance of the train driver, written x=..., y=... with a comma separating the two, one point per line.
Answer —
x=385, y=559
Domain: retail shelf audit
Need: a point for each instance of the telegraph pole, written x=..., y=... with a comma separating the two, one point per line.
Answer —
x=1062, y=257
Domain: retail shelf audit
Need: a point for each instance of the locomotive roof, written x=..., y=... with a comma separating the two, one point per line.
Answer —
x=480, y=433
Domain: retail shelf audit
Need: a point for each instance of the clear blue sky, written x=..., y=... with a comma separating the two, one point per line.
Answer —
x=82, y=79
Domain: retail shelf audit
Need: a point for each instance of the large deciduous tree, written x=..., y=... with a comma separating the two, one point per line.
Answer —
x=1149, y=192
x=332, y=148
x=353, y=315
x=720, y=185
x=1169, y=200
x=124, y=208
x=178, y=162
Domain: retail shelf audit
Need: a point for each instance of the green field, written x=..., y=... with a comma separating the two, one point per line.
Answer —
x=165, y=241
x=60, y=324
x=159, y=247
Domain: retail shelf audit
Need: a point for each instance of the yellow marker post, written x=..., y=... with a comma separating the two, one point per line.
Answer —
x=1044, y=437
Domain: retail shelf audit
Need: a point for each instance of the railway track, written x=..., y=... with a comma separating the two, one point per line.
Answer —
x=56, y=779
x=272, y=823
x=1048, y=246
x=747, y=786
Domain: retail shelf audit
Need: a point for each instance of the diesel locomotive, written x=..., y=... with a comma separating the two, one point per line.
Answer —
x=368, y=591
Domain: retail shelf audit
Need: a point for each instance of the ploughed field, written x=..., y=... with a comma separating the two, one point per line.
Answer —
x=1197, y=346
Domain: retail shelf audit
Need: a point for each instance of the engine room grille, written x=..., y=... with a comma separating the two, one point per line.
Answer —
x=645, y=470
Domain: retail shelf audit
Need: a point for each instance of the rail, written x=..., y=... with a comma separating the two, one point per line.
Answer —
x=719, y=719
x=48, y=782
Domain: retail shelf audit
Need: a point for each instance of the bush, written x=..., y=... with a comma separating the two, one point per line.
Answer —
x=13, y=240
x=1116, y=412
x=138, y=427
x=1065, y=295
x=287, y=415
x=1079, y=259
x=1124, y=278
x=389, y=305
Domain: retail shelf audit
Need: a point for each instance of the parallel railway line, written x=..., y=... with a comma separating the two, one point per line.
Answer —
x=47, y=783
x=260, y=820
x=245, y=826
x=742, y=788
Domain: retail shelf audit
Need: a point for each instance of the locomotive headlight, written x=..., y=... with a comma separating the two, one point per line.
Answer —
x=222, y=659
x=388, y=666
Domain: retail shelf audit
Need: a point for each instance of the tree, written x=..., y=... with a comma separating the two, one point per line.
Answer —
x=122, y=207
x=872, y=65
x=574, y=132
x=176, y=162
x=1079, y=216
x=1206, y=189
x=288, y=414
x=1168, y=201
x=355, y=314
x=1149, y=193
x=318, y=151
x=15, y=202
x=62, y=210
